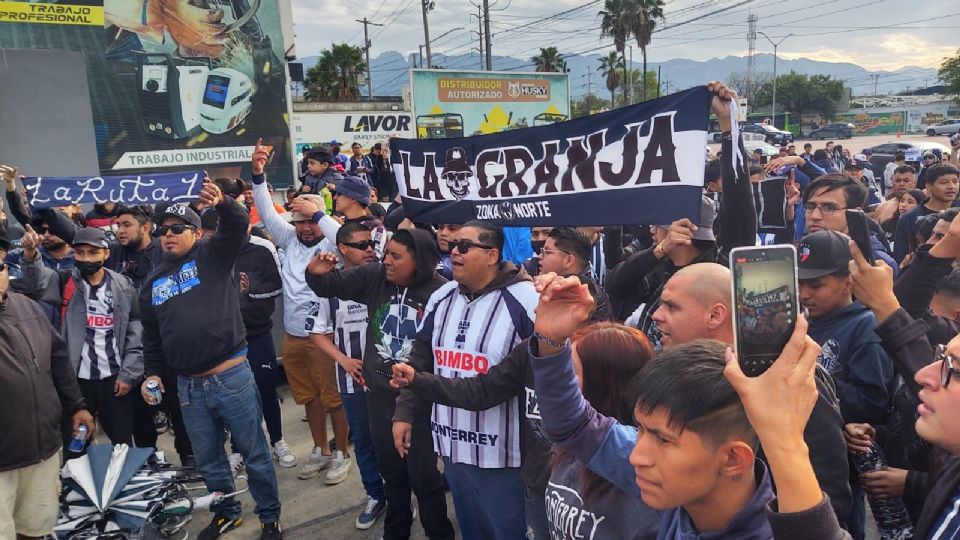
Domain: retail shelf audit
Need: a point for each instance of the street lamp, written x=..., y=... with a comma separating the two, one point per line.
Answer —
x=775, y=45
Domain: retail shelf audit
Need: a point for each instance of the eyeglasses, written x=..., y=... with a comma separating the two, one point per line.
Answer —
x=947, y=370
x=463, y=246
x=826, y=209
x=177, y=228
x=548, y=251
x=362, y=246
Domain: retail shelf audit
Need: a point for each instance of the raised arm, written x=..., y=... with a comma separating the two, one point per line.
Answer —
x=282, y=232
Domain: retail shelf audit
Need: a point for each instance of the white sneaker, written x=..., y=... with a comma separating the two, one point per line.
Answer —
x=236, y=464
x=283, y=454
x=339, y=468
x=315, y=464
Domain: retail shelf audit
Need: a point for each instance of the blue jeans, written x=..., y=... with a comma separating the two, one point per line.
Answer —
x=355, y=405
x=230, y=400
x=489, y=502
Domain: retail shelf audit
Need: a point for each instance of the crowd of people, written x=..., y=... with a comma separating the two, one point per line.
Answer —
x=561, y=383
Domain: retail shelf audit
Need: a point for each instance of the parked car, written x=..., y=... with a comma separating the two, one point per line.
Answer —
x=833, y=131
x=770, y=134
x=883, y=153
x=765, y=149
x=947, y=127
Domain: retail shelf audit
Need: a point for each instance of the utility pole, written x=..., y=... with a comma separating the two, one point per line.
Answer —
x=875, y=78
x=479, y=31
x=486, y=34
x=775, y=45
x=421, y=55
x=589, y=81
x=751, y=48
x=366, y=51
x=658, y=80
x=426, y=5
x=630, y=81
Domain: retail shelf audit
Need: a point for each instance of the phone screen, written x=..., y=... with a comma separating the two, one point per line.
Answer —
x=765, y=303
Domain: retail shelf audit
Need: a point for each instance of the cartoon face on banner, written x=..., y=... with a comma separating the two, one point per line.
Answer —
x=457, y=173
x=173, y=84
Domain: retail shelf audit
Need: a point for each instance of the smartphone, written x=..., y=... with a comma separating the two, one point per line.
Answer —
x=765, y=303
x=860, y=232
x=764, y=160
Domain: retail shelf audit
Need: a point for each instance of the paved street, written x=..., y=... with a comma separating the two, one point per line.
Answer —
x=311, y=510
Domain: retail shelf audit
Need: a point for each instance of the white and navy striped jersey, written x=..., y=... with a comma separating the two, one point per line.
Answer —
x=468, y=338
x=350, y=336
x=347, y=321
x=598, y=261
x=100, y=356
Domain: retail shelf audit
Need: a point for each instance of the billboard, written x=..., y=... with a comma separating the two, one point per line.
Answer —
x=875, y=123
x=450, y=103
x=174, y=85
x=365, y=127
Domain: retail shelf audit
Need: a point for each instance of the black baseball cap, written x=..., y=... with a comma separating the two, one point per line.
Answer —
x=822, y=253
x=91, y=236
x=179, y=211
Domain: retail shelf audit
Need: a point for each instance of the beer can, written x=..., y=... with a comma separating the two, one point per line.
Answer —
x=79, y=440
x=153, y=390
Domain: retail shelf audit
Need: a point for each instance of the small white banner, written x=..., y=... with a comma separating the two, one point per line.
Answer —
x=159, y=159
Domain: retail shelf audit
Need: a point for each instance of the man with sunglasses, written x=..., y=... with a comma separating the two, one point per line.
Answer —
x=396, y=292
x=470, y=325
x=343, y=337
x=193, y=324
x=309, y=370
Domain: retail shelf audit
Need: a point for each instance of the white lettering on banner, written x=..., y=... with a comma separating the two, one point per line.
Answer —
x=568, y=520
x=471, y=437
x=132, y=190
x=181, y=158
x=589, y=163
x=513, y=210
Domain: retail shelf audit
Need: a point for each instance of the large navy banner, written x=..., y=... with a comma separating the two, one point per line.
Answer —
x=49, y=191
x=641, y=164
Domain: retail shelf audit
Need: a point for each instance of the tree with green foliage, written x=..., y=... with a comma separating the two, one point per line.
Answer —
x=335, y=76
x=639, y=85
x=588, y=105
x=609, y=65
x=950, y=74
x=803, y=94
x=549, y=60
x=621, y=19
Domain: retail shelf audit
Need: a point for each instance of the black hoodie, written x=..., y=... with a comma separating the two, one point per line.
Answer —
x=395, y=312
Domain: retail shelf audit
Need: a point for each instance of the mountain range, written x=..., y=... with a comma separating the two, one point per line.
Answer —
x=389, y=72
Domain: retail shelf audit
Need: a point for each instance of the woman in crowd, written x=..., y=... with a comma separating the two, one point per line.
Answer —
x=907, y=201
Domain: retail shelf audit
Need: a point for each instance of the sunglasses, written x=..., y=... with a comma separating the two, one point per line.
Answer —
x=177, y=228
x=362, y=246
x=947, y=370
x=463, y=246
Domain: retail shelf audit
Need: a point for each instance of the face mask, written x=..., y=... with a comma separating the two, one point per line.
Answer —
x=537, y=245
x=88, y=268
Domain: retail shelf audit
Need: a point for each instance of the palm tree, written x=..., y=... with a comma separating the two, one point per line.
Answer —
x=615, y=23
x=621, y=19
x=549, y=60
x=644, y=16
x=335, y=75
x=608, y=69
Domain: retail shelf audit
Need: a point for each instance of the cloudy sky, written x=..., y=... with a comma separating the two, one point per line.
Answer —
x=876, y=34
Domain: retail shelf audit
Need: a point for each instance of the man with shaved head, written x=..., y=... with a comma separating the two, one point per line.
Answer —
x=697, y=302
x=694, y=304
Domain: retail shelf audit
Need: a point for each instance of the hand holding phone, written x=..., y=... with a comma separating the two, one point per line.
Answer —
x=859, y=231
x=765, y=303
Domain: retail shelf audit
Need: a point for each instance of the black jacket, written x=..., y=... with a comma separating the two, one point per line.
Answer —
x=258, y=260
x=37, y=384
x=190, y=307
x=915, y=289
x=905, y=339
x=395, y=311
